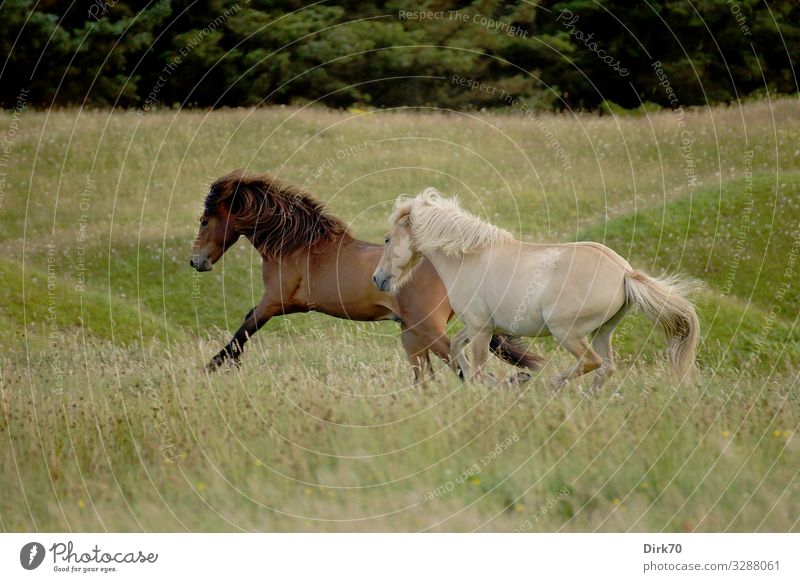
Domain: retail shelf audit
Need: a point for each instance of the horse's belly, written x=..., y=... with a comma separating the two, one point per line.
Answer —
x=356, y=311
x=524, y=322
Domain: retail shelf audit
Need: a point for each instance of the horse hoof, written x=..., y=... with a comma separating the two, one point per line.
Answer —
x=589, y=393
x=216, y=363
x=491, y=380
x=520, y=378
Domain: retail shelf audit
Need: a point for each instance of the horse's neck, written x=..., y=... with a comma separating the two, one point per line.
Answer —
x=334, y=246
x=249, y=238
x=447, y=267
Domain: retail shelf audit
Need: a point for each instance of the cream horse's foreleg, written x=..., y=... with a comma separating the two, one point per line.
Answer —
x=480, y=339
x=588, y=359
x=458, y=346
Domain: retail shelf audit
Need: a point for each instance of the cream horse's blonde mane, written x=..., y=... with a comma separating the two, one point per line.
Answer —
x=440, y=224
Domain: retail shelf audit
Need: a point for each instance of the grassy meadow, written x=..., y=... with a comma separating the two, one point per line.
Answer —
x=110, y=422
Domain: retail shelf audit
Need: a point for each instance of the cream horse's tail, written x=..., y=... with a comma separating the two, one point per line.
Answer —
x=664, y=300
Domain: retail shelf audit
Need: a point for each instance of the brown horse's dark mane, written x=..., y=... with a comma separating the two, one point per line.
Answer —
x=278, y=217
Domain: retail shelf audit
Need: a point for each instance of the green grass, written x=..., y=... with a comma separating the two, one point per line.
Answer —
x=743, y=241
x=739, y=241
x=320, y=428
x=337, y=445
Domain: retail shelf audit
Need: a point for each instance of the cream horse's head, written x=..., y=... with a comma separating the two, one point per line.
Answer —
x=400, y=254
x=430, y=223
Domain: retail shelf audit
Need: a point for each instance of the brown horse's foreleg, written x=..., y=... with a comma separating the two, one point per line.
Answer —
x=253, y=321
x=417, y=352
x=430, y=336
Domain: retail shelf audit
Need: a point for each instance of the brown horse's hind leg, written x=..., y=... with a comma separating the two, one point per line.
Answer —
x=253, y=321
x=433, y=336
x=440, y=345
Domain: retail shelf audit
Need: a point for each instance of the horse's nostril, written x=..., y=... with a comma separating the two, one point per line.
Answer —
x=191, y=262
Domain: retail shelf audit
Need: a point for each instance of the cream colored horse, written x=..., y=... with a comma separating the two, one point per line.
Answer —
x=565, y=290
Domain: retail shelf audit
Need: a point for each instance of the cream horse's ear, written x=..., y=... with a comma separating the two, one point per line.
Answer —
x=429, y=195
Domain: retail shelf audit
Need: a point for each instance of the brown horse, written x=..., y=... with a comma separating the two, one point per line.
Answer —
x=311, y=262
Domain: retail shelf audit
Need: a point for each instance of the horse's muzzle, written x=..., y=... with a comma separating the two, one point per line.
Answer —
x=382, y=282
x=200, y=265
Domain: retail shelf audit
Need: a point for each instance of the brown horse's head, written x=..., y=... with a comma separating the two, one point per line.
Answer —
x=214, y=236
x=278, y=218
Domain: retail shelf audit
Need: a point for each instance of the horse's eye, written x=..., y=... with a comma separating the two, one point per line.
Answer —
x=386, y=240
x=203, y=222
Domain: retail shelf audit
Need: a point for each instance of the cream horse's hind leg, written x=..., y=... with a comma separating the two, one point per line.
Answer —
x=588, y=359
x=602, y=345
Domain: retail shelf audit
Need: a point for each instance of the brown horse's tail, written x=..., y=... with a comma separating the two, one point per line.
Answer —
x=664, y=301
x=514, y=351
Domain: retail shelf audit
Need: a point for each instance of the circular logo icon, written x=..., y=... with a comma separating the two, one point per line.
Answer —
x=31, y=555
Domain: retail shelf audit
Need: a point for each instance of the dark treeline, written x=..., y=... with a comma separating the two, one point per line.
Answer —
x=213, y=53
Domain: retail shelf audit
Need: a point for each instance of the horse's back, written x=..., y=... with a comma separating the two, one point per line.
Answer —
x=559, y=285
x=611, y=253
x=591, y=246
